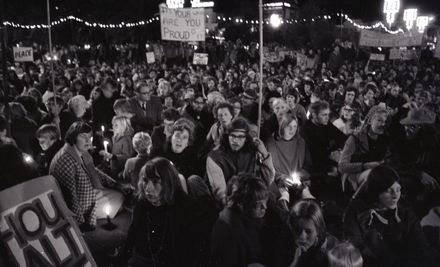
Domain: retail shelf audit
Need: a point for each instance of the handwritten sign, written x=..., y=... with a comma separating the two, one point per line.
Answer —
x=200, y=59
x=182, y=24
x=23, y=54
x=37, y=229
x=377, y=39
x=399, y=54
x=150, y=57
x=377, y=57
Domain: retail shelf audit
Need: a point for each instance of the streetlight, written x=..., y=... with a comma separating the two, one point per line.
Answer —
x=275, y=20
x=390, y=9
x=410, y=16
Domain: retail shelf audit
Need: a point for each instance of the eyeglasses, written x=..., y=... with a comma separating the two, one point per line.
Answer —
x=238, y=137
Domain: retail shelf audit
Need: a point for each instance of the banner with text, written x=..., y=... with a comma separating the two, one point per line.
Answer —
x=182, y=24
x=23, y=54
x=150, y=57
x=377, y=39
x=377, y=57
x=200, y=59
x=399, y=54
x=37, y=229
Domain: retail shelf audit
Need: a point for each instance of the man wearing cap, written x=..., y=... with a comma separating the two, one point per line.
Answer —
x=238, y=153
x=415, y=154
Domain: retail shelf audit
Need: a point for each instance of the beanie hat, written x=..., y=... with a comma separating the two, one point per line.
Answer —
x=378, y=181
x=239, y=124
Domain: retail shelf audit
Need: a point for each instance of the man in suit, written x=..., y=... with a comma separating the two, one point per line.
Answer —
x=146, y=107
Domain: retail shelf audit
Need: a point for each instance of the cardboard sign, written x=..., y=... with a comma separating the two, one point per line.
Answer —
x=23, y=54
x=200, y=59
x=150, y=57
x=377, y=57
x=37, y=229
x=399, y=54
x=437, y=47
x=182, y=24
x=377, y=39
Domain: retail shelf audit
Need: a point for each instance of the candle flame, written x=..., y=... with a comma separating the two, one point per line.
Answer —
x=295, y=179
x=107, y=209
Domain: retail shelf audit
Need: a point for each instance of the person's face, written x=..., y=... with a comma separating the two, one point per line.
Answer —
x=84, y=142
x=179, y=141
x=237, y=109
x=305, y=234
x=307, y=88
x=211, y=84
x=168, y=127
x=247, y=101
x=322, y=117
x=152, y=75
x=193, y=80
x=259, y=209
x=116, y=125
x=291, y=101
x=369, y=95
x=394, y=91
x=45, y=142
x=224, y=116
x=349, y=97
x=378, y=124
x=66, y=95
x=237, y=140
x=390, y=198
x=290, y=130
x=144, y=93
x=347, y=112
x=198, y=104
x=153, y=191
x=412, y=130
x=279, y=108
x=168, y=102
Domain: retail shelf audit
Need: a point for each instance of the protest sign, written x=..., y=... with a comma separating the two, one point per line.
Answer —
x=37, y=229
x=399, y=54
x=150, y=57
x=23, y=54
x=437, y=47
x=182, y=24
x=200, y=59
x=377, y=57
x=377, y=39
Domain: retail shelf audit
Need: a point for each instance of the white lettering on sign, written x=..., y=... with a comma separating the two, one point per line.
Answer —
x=182, y=24
x=23, y=54
x=377, y=39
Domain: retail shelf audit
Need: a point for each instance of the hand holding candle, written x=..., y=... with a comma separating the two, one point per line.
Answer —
x=294, y=179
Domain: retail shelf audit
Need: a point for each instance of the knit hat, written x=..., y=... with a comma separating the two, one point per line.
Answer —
x=239, y=124
x=378, y=181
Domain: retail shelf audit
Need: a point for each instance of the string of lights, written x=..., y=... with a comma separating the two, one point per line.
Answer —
x=219, y=18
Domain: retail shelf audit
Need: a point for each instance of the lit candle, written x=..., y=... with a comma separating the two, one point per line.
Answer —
x=105, y=146
x=102, y=129
x=107, y=209
x=295, y=179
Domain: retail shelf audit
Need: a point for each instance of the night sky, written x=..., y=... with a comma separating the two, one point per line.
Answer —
x=28, y=11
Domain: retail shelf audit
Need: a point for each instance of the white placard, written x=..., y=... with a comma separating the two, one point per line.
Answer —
x=23, y=54
x=437, y=47
x=377, y=57
x=399, y=54
x=377, y=39
x=150, y=57
x=200, y=59
x=182, y=24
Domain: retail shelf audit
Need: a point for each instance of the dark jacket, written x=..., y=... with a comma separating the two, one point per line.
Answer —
x=396, y=241
x=146, y=120
x=23, y=132
x=321, y=141
x=44, y=158
x=102, y=110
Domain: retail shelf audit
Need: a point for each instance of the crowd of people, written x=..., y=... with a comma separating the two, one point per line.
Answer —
x=344, y=170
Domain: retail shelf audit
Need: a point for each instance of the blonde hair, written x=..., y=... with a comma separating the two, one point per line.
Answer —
x=344, y=255
x=125, y=123
x=142, y=143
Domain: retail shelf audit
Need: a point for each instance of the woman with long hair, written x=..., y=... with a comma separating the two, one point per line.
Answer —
x=122, y=147
x=160, y=232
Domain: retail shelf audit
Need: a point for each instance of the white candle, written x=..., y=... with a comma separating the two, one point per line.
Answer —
x=107, y=209
x=105, y=146
x=102, y=129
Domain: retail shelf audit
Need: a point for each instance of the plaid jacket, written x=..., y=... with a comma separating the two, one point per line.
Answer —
x=75, y=181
